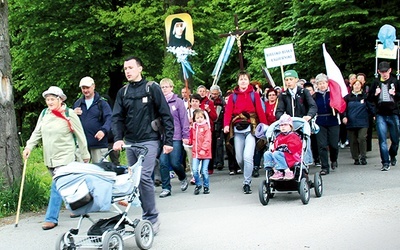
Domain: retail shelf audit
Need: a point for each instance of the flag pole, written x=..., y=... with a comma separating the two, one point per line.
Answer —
x=283, y=77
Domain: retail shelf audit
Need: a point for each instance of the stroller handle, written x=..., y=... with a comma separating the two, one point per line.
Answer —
x=145, y=150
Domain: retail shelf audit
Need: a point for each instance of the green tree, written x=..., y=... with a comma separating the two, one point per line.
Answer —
x=58, y=43
x=10, y=157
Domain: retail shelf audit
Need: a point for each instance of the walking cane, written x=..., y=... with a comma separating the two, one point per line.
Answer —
x=20, y=192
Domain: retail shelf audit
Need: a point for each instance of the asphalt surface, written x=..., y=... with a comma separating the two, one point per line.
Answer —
x=359, y=209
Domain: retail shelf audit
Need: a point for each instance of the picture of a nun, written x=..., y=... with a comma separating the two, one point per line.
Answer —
x=177, y=34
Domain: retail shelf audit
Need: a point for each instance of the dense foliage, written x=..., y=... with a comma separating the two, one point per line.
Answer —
x=59, y=42
x=35, y=189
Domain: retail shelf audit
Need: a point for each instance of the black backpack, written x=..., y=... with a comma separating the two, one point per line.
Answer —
x=99, y=105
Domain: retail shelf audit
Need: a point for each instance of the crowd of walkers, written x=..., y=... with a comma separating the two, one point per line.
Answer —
x=241, y=109
x=192, y=135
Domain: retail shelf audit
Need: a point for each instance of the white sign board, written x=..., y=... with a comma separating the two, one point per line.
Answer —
x=279, y=55
x=386, y=53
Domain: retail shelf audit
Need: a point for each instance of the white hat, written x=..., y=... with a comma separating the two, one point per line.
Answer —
x=86, y=81
x=286, y=119
x=54, y=90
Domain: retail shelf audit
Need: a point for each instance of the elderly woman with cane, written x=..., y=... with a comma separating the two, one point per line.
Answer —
x=59, y=129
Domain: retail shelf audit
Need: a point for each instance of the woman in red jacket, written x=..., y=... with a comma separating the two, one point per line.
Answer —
x=200, y=138
x=242, y=114
x=270, y=106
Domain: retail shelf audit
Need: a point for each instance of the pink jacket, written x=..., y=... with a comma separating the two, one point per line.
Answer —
x=200, y=138
x=293, y=142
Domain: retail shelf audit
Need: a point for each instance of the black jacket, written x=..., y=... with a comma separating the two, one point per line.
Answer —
x=304, y=104
x=357, y=111
x=135, y=108
x=385, y=108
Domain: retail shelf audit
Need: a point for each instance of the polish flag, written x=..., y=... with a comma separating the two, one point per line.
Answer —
x=336, y=83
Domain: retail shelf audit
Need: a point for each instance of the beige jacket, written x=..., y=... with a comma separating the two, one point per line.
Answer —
x=58, y=142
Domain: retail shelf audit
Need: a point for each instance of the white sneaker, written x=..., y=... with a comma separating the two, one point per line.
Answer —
x=165, y=193
x=184, y=185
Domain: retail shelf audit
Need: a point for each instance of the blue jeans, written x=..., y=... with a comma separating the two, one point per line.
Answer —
x=172, y=159
x=245, y=144
x=146, y=186
x=385, y=123
x=204, y=171
x=55, y=202
x=275, y=160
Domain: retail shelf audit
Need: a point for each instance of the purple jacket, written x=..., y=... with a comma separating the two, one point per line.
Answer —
x=181, y=121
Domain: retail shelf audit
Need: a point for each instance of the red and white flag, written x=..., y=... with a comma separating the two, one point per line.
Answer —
x=336, y=83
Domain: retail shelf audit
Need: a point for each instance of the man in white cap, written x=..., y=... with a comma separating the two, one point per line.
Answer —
x=95, y=115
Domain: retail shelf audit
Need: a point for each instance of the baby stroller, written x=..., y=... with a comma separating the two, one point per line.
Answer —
x=301, y=182
x=89, y=188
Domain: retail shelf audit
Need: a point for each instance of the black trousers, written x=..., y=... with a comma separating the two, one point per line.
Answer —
x=328, y=137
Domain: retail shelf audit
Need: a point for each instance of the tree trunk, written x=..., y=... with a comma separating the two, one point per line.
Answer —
x=10, y=156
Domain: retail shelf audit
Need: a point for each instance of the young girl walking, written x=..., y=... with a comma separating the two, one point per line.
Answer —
x=200, y=139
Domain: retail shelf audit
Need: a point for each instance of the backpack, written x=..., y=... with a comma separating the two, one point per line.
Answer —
x=156, y=123
x=99, y=105
x=148, y=85
x=252, y=99
x=66, y=114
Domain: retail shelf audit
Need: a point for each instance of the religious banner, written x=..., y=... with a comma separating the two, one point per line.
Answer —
x=279, y=55
x=179, y=30
x=222, y=59
x=238, y=34
x=180, y=40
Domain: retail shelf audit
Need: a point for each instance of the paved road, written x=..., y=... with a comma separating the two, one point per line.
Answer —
x=359, y=209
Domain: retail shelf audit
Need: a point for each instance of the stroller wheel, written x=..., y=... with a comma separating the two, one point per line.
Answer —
x=264, y=192
x=113, y=240
x=62, y=244
x=304, y=191
x=144, y=234
x=318, y=187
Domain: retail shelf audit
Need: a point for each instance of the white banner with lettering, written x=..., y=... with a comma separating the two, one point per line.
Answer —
x=279, y=55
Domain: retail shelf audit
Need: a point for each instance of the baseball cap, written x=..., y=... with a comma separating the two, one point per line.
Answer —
x=86, y=81
x=384, y=66
x=54, y=90
x=291, y=73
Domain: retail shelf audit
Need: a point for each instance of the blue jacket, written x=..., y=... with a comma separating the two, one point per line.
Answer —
x=92, y=122
x=325, y=115
x=357, y=111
